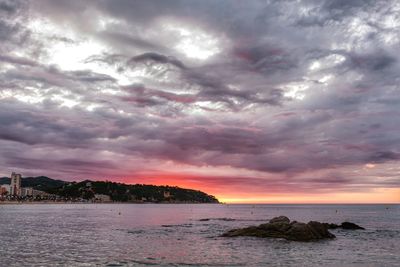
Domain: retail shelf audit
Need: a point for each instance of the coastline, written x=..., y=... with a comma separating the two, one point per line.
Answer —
x=220, y=203
x=71, y=202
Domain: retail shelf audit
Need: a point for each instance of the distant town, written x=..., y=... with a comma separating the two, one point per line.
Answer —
x=17, y=193
x=45, y=189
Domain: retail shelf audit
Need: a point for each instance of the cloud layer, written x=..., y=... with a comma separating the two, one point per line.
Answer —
x=262, y=96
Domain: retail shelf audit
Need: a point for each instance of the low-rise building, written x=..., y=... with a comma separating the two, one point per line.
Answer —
x=167, y=194
x=4, y=189
x=102, y=198
x=37, y=193
x=27, y=191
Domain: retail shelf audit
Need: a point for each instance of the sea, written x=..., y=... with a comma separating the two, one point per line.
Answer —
x=190, y=235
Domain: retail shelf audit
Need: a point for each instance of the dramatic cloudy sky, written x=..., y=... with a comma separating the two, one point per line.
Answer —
x=253, y=101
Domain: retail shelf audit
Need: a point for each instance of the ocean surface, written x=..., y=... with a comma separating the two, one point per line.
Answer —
x=175, y=235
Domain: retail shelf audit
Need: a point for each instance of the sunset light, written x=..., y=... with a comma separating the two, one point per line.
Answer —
x=199, y=133
x=251, y=108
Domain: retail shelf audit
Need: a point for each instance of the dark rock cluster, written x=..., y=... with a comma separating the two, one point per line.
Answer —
x=344, y=225
x=282, y=227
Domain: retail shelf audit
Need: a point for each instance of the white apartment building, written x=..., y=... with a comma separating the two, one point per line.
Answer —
x=15, y=184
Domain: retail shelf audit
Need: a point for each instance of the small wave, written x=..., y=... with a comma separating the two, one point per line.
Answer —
x=206, y=264
x=231, y=220
x=186, y=225
x=217, y=219
x=136, y=231
x=115, y=264
x=144, y=262
x=387, y=233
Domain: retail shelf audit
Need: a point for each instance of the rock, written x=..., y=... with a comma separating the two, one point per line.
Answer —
x=320, y=230
x=344, y=225
x=331, y=225
x=299, y=232
x=351, y=226
x=281, y=227
x=281, y=219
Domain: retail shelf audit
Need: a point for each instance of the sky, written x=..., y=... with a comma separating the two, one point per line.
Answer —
x=251, y=101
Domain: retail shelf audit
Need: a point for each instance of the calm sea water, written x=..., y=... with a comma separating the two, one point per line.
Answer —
x=173, y=235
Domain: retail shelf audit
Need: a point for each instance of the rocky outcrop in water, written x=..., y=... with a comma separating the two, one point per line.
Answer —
x=344, y=225
x=282, y=227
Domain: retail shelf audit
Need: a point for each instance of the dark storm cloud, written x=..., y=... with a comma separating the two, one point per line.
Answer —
x=140, y=94
x=266, y=58
x=291, y=88
x=12, y=30
x=383, y=156
x=9, y=6
x=211, y=91
x=71, y=167
x=89, y=76
x=33, y=126
x=150, y=58
x=18, y=60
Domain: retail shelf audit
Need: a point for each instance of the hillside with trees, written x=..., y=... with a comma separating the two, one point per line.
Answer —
x=117, y=192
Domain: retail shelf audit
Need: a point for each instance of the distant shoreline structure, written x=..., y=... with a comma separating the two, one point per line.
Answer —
x=44, y=189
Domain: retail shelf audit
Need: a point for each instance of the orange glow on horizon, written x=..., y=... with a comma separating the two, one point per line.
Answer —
x=227, y=193
x=378, y=196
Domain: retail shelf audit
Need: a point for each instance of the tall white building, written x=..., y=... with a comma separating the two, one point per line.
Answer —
x=15, y=185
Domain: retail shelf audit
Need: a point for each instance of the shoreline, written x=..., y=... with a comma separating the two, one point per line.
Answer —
x=69, y=202
x=166, y=203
